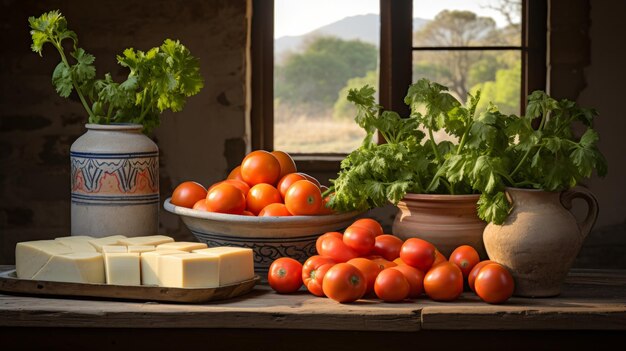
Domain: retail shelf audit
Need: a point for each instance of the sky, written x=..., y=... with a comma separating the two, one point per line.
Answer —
x=297, y=17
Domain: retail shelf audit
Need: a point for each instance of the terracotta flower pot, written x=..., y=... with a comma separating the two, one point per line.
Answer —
x=446, y=221
x=115, y=182
x=540, y=238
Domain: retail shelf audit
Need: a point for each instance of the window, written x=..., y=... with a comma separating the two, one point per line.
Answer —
x=463, y=50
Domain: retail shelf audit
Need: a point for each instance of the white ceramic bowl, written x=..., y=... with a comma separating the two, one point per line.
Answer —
x=269, y=237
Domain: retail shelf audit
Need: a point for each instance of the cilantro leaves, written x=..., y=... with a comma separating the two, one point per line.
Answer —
x=159, y=79
x=493, y=151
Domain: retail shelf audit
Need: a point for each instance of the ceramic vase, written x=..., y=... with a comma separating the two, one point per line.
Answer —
x=540, y=238
x=114, y=182
x=446, y=221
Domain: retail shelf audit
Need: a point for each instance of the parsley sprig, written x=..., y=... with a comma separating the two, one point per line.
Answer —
x=159, y=79
x=493, y=150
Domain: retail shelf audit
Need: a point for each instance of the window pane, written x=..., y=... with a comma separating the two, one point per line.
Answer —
x=321, y=49
x=467, y=23
x=497, y=74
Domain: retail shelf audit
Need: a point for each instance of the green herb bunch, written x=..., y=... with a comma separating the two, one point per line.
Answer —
x=159, y=79
x=493, y=151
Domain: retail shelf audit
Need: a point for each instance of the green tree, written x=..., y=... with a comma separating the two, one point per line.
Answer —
x=504, y=91
x=344, y=109
x=314, y=77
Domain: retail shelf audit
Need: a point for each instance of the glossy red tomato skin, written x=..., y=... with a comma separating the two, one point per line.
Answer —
x=369, y=223
x=318, y=242
x=286, y=181
x=388, y=246
x=285, y=275
x=287, y=164
x=311, y=179
x=360, y=239
x=391, y=286
x=369, y=269
x=274, y=210
x=334, y=247
x=260, y=196
x=240, y=184
x=465, y=257
x=414, y=277
x=444, y=282
x=439, y=258
x=313, y=272
x=201, y=205
x=226, y=198
x=260, y=166
x=418, y=253
x=186, y=194
x=474, y=273
x=303, y=198
x=494, y=283
x=235, y=174
x=344, y=283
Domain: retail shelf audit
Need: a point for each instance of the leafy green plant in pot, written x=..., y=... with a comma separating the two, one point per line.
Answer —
x=411, y=169
x=114, y=167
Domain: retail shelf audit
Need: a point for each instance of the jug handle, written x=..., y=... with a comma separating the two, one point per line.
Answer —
x=592, y=206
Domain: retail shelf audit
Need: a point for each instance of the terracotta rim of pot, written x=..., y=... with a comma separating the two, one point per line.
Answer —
x=114, y=126
x=441, y=197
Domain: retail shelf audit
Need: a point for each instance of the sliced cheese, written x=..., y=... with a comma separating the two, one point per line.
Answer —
x=147, y=240
x=83, y=267
x=122, y=268
x=108, y=240
x=182, y=245
x=189, y=270
x=236, y=263
x=150, y=265
x=31, y=256
x=141, y=248
x=114, y=249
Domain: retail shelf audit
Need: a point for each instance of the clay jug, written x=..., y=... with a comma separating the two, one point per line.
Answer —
x=446, y=221
x=115, y=182
x=540, y=238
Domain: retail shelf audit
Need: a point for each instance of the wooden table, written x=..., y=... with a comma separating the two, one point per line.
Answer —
x=591, y=309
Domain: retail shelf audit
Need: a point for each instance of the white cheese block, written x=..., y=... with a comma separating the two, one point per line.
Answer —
x=79, y=246
x=236, y=263
x=147, y=240
x=83, y=267
x=31, y=256
x=122, y=268
x=150, y=265
x=182, y=245
x=141, y=248
x=108, y=240
x=114, y=249
x=64, y=239
x=189, y=270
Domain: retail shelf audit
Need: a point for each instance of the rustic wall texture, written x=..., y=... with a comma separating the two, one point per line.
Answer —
x=202, y=142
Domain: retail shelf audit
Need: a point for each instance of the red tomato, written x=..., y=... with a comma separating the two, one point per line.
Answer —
x=474, y=272
x=494, y=284
x=226, y=198
x=313, y=272
x=260, y=167
x=201, y=205
x=391, y=285
x=439, y=257
x=369, y=269
x=260, y=196
x=383, y=263
x=415, y=277
x=444, y=282
x=235, y=174
x=318, y=242
x=370, y=224
x=334, y=247
x=287, y=164
x=388, y=246
x=399, y=262
x=247, y=213
x=325, y=209
x=360, y=239
x=303, y=198
x=418, y=253
x=286, y=181
x=240, y=184
x=344, y=283
x=186, y=194
x=274, y=210
x=311, y=179
x=465, y=257
x=285, y=275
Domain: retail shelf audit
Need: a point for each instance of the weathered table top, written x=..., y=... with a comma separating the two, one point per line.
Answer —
x=591, y=300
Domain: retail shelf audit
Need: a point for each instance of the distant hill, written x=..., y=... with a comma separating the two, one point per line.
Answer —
x=363, y=27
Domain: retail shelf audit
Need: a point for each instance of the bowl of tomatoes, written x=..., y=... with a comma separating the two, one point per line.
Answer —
x=264, y=204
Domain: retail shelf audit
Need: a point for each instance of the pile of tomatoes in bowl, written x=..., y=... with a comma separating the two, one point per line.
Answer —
x=265, y=184
x=363, y=261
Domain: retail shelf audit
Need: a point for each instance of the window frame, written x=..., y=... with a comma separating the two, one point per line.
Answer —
x=395, y=74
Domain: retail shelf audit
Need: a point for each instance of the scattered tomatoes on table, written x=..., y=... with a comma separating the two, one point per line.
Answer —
x=285, y=275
